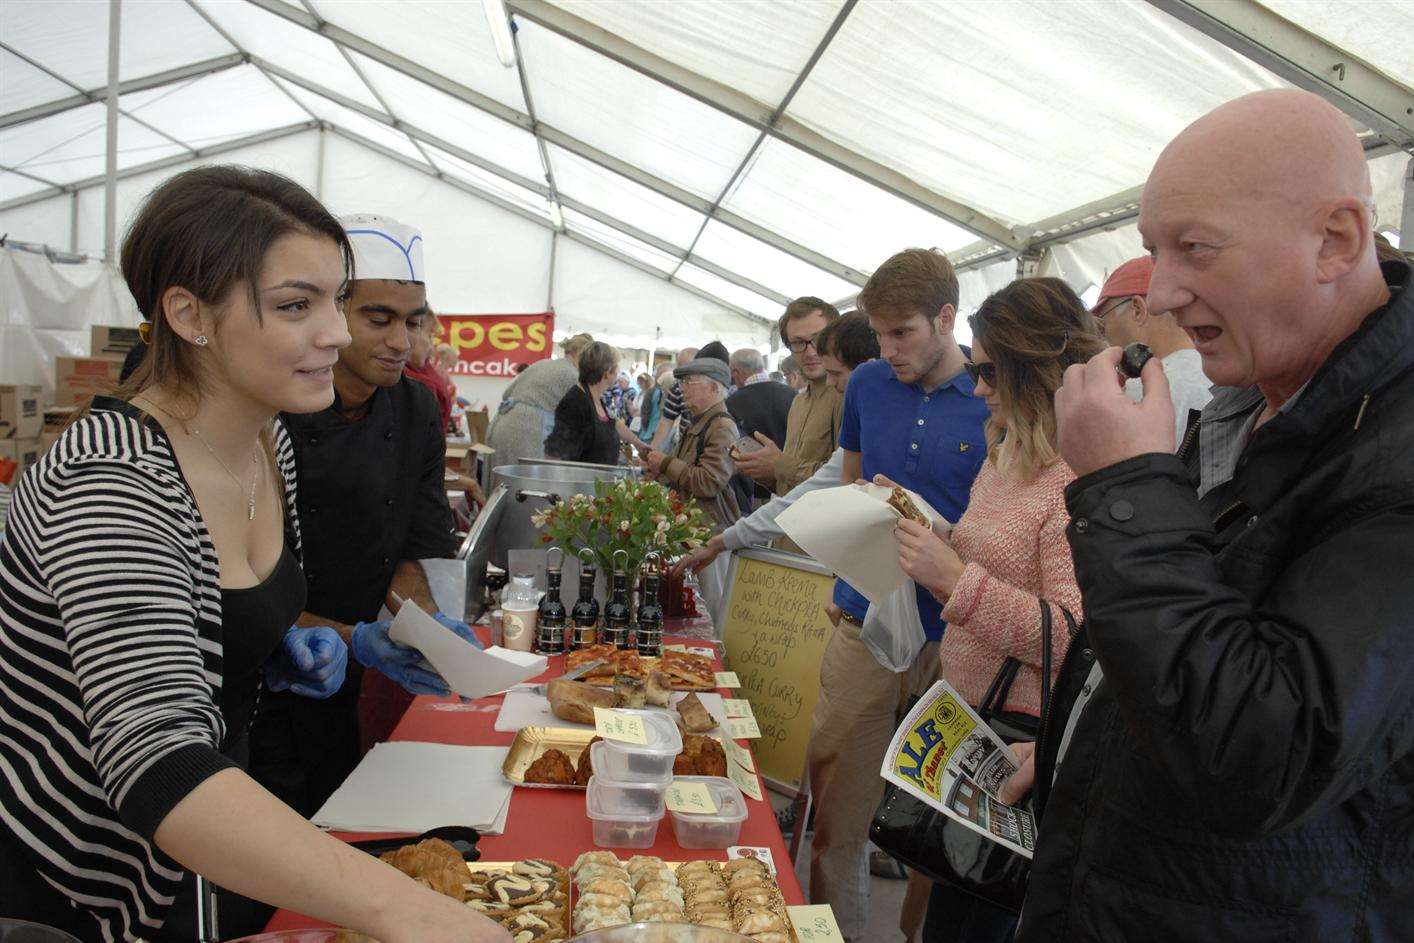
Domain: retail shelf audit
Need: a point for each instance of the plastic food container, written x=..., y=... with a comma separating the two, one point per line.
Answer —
x=719, y=829
x=624, y=815
x=599, y=762
x=643, y=763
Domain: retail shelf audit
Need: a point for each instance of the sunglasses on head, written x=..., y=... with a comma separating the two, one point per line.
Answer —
x=981, y=371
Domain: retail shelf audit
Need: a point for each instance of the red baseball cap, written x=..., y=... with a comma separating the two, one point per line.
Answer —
x=1131, y=278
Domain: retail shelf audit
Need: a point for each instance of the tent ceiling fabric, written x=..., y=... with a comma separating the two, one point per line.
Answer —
x=891, y=135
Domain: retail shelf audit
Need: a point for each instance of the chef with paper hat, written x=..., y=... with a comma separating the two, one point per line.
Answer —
x=371, y=505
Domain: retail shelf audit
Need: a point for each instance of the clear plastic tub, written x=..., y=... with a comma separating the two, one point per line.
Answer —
x=598, y=761
x=643, y=763
x=719, y=829
x=624, y=815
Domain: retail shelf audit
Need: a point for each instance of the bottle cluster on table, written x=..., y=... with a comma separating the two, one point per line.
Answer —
x=617, y=623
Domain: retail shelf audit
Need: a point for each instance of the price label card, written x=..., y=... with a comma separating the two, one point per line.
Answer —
x=728, y=679
x=675, y=648
x=745, y=781
x=740, y=728
x=737, y=707
x=740, y=754
x=814, y=923
x=612, y=725
x=689, y=797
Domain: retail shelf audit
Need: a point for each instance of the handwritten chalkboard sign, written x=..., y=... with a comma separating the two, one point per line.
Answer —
x=774, y=630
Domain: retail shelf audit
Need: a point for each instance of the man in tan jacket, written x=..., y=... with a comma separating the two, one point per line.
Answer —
x=700, y=466
x=813, y=425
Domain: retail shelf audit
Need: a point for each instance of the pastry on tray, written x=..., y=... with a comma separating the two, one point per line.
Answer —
x=575, y=701
x=706, y=755
x=583, y=656
x=552, y=768
x=687, y=669
x=695, y=717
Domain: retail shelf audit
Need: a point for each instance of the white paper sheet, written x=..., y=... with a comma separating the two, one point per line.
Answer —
x=405, y=786
x=467, y=670
x=850, y=529
x=524, y=708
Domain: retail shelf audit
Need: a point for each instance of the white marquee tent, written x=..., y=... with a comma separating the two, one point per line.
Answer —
x=667, y=172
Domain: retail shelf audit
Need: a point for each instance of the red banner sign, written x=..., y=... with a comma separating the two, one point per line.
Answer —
x=493, y=345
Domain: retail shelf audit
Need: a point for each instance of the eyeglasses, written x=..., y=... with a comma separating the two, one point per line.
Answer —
x=981, y=371
x=798, y=346
x=1120, y=303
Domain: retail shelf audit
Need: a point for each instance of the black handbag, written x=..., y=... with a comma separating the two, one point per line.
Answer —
x=943, y=849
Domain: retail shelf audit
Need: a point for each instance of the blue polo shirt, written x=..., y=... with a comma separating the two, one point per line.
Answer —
x=931, y=442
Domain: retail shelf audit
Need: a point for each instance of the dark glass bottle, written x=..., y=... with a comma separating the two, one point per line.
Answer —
x=551, y=640
x=650, y=618
x=618, y=614
x=585, y=614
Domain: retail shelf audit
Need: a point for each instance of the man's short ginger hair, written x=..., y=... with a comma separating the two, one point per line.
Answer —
x=914, y=281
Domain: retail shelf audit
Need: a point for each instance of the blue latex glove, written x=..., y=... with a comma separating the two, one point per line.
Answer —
x=460, y=628
x=311, y=662
x=404, y=665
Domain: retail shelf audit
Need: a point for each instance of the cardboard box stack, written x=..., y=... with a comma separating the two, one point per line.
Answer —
x=78, y=378
x=21, y=421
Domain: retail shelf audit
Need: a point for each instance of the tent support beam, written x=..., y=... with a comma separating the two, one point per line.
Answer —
x=554, y=193
x=1406, y=220
x=110, y=173
x=538, y=220
x=1304, y=60
x=85, y=97
x=220, y=31
x=776, y=116
x=176, y=160
x=74, y=222
x=550, y=134
x=747, y=110
x=542, y=189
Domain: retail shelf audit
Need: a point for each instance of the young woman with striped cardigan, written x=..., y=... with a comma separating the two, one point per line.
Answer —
x=149, y=577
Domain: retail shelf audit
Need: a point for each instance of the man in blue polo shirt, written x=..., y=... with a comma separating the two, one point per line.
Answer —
x=911, y=417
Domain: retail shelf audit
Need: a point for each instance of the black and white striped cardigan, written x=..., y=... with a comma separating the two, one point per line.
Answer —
x=110, y=662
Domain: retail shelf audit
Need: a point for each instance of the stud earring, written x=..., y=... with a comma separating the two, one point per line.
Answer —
x=201, y=340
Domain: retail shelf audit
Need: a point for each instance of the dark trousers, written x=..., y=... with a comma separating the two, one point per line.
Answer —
x=302, y=749
x=955, y=916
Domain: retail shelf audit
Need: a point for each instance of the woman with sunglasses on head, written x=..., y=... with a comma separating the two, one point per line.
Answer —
x=148, y=584
x=1007, y=555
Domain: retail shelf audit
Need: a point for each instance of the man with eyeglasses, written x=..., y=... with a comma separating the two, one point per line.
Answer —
x=813, y=423
x=1125, y=317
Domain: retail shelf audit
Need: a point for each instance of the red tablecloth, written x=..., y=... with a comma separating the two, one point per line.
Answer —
x=549, y=823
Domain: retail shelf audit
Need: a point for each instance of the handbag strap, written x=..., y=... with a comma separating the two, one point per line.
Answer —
x=997, y=691
x=1046, y=651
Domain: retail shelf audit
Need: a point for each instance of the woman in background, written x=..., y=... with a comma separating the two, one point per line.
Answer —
x=584, y=429
x=1008, y=554
x=526, y=414
x=650, y=407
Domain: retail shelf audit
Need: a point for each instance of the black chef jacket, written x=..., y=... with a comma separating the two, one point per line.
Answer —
x=371, y=494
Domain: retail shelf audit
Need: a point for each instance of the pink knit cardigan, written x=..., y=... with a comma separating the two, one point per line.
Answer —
x=1012, y=540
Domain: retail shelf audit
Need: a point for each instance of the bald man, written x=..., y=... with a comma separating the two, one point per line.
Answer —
x=1245, y=769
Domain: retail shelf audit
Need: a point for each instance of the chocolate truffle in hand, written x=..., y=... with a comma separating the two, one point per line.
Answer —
x=1135, y=357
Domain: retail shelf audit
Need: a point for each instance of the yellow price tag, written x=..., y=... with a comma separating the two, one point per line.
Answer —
x=737, y=707
x=684, y=796
x=814, y=923
x=728, y=679
x=746, y=782
x=742, y=728
x=613, y=725
x=739, y=754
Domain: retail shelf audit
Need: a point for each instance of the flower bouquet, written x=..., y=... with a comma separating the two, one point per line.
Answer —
x=638, y=517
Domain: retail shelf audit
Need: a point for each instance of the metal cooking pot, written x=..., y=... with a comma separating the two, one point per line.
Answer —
x=534, y=487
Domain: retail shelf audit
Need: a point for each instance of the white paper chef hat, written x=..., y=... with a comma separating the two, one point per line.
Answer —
x=384, y=247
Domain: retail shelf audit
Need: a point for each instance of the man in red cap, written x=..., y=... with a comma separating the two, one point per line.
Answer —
x=1124, y=315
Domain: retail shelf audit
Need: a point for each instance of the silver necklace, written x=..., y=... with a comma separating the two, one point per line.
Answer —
x=254, y=460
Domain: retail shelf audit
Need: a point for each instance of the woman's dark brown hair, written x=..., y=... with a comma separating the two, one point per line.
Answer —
x=1032, y=330
x=207, y=230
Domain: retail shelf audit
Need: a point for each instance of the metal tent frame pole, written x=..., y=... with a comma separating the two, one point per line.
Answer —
x=110, y=171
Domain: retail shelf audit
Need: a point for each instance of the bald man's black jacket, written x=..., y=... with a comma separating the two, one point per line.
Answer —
x=1245, y=771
